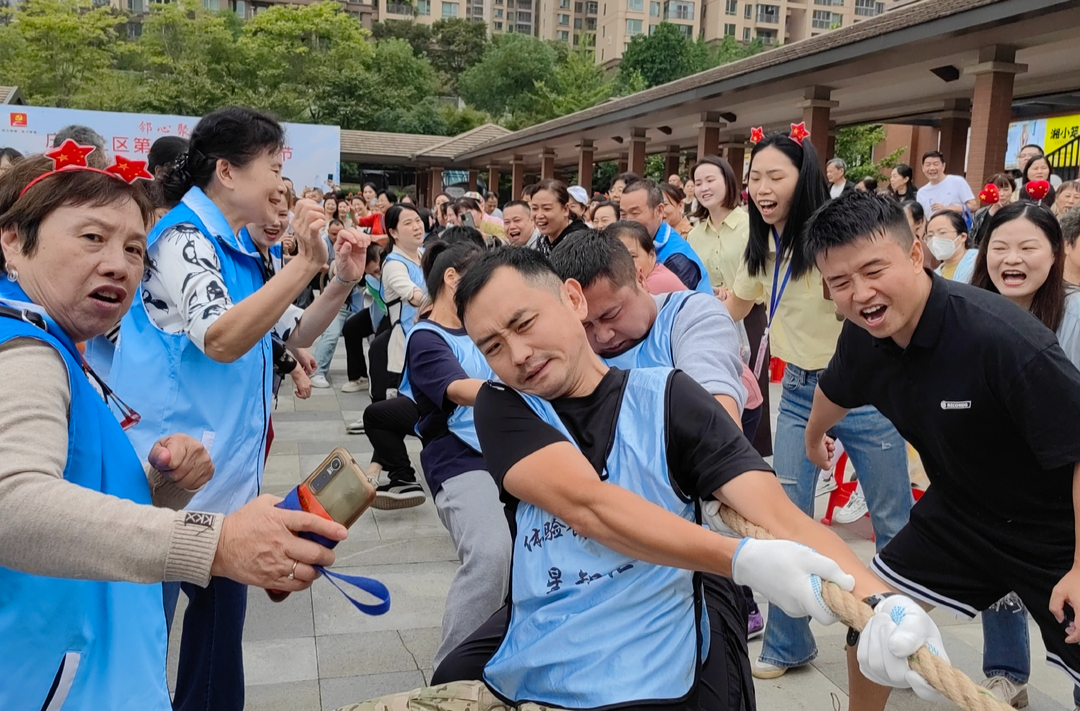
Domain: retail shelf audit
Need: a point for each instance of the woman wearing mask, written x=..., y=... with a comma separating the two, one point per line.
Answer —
x=720, y=239
x=1004, y=186
x=443, y=372
x=902, y=183
x=947, y=239
x=786, y=186
x=197, y=348
x=1022, y=258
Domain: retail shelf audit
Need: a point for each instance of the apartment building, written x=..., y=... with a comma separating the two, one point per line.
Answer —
x=572, y=21
x=784, y=21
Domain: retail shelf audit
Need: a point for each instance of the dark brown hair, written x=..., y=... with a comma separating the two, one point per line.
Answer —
x=76, y=188
x=1048, y=303
x=556, y=188
x=731, y=193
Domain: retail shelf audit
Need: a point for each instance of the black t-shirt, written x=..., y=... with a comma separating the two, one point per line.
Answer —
x=989, y=400
x=705, y=449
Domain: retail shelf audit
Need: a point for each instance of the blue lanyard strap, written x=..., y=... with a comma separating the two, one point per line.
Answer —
x=369, y=585
x=777, y=293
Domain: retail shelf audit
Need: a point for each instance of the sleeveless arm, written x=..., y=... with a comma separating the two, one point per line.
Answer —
x=49, y=526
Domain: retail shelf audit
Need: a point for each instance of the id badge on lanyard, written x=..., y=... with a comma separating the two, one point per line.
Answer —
x=775, y=295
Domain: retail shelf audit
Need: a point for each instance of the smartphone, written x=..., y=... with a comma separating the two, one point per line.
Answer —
x=467, y=220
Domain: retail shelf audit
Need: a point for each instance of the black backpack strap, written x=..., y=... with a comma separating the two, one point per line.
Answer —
x=31, y=317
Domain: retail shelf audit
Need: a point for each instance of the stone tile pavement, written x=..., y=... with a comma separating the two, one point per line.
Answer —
x=315, y=652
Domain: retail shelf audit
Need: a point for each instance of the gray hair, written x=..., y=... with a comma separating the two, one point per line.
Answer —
x=839, y=164
x=85, y=136
x=1070, y=226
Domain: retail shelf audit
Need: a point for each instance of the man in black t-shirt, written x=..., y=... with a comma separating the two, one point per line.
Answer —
x=600, y=480
x=985, y=394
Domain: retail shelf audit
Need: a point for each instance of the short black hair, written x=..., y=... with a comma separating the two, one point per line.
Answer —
x=533, y=266
x=635, y=231
x=165, y=150
x=933, y=154
x=850, y=218
x=588, y=255
x=517, y=203
x=626, y=178
x=459, y=233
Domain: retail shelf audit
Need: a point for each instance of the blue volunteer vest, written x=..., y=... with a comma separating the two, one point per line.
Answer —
x=669, y=243
x=655, y=349
x=407, y=315
x=590, y=627
x=101, y=645
x=461, y=422
x=177, y=388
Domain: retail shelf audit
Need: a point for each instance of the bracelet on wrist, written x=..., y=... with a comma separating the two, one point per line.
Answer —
x=349, y=284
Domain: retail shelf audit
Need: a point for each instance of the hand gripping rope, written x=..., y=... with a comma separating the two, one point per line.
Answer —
x=952, y=683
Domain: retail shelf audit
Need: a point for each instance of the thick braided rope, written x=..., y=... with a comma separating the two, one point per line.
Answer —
x=952, y=683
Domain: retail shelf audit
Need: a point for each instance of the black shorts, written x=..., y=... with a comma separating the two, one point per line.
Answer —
x=724, y=684
x=948, y=561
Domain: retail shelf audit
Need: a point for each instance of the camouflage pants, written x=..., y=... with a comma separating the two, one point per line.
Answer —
x=455, y=696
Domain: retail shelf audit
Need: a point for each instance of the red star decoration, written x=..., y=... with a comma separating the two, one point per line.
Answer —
x=129, y=170
x=990, y=194
x=757, y=135
x=799, y=132
x=69, y=153
x=1038, y=189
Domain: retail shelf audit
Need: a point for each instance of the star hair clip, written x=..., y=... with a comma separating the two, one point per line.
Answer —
x=757, y=134
x=799, y=132
x=70, y=156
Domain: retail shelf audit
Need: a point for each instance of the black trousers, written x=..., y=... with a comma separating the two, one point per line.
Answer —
x=381, y=377
x=356, y=329
x=755, y=323
x=387, y=424
x=725, y=683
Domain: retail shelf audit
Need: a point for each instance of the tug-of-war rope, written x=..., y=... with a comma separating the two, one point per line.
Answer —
x=952, y=683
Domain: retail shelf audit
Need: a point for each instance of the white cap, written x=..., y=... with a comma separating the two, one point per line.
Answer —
x=579, y=194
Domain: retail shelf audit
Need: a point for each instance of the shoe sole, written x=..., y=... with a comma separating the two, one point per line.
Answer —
x=767, y=673
x=392, y=502
x=846, y=520
x=1020, y=700
x=755, y=633
x=354, y=389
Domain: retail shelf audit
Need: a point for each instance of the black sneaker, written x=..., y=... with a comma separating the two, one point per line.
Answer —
x=398, y=495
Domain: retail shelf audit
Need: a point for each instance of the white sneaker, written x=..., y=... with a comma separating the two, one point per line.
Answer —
x=355, y=386
x=1015, y=695
x=319, y=381
x=826, y=482
x=853, y=510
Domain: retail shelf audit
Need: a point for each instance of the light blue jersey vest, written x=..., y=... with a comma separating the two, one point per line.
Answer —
x=654, y=351
x=177, y=388
x=407, y=315
x=668, y=243
x=81, y=644
x=590, y=627
x=461, y=422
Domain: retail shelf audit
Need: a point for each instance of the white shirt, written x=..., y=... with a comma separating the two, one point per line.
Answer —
x=837, y=189
x=952, y=190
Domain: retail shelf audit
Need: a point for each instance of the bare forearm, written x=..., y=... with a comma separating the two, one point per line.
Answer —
x=238, y=329
x=824, y=415
x=731, y=407
x=319, y=315
x=738, y=308
x=463, y=392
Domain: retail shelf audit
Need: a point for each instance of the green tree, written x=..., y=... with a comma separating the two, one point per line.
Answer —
x=418, y=36
x=423, y=117
x=663, y=56
x=460, y=120
x=457, y=43
x=501, y=81
x=730, y=50
x=576, y=84
x=855, y=145
x=57, y=49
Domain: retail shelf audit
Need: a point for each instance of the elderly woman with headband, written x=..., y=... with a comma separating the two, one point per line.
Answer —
x=81, y=624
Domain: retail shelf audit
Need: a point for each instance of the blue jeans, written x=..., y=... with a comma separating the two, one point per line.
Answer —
x=1006, y=642
x=327, y=343
x=210, y=675
x=879, y=455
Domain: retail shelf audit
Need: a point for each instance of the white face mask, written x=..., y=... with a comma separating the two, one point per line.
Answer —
x=942, y=248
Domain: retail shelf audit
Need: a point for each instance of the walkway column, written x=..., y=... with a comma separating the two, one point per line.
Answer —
x=436, y=182
x=735, y=153
x=955, y=122
x=517, y=177
x=493, y=178
x=636, y=156
x=422, y=181
x=586, y=150
x=623, y=163
x=671, y=161
x=816, y=108
x=833, y=131
x=708, y=137
x=547, y=164
x=991, y=109
x=474, y=176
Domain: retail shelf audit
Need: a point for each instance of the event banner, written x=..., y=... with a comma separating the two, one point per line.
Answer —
x=312, y=153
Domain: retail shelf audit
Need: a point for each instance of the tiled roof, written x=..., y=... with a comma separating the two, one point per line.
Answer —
x=380, y=143
x=10, y=95
x=463, y=142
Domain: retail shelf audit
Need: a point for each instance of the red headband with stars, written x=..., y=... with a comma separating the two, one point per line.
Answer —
x=798, y=133
x=70, y=156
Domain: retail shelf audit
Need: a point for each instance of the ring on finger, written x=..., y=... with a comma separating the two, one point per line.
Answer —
x=292, y=574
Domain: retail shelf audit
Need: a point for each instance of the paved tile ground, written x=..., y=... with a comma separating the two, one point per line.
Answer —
x=315, y=652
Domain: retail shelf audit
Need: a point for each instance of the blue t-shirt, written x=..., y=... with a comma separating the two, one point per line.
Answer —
x=432, y=368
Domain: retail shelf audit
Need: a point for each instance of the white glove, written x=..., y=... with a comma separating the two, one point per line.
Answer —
x=789, y=575
x=895, y=632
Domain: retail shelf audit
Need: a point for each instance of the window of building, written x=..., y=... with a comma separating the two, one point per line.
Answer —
x=449, y=9
x=498, y=12
x=564, y=19
x=579, y=7
x=398, y=8
x=590, y=23
x=524, y=17
x=577, y=23
x=652, y=28
x=564, y=4
x=577, y=39
x=769, y=14
x=562, y=35
x=767, y=37
x=731, y=7
x=678, y=10
x=687, y=30
x=825, y=20
x=729, y=30
x=746, y=34
x=654, y=9
x=635, y=5
x=633, y=27
x=499, y=26
x=591, y=8
x=869, y=8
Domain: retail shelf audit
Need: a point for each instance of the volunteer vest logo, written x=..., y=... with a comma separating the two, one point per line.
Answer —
x=956, y=404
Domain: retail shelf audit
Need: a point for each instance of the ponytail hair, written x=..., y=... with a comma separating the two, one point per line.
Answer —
x=237, y=135
x=440, y=257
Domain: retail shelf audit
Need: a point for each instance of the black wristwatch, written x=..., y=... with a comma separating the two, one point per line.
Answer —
x=872, y=601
